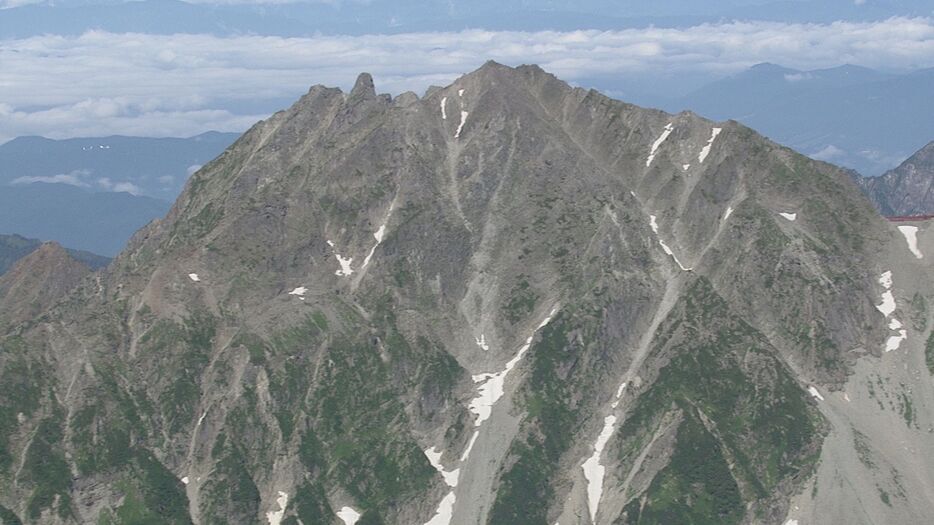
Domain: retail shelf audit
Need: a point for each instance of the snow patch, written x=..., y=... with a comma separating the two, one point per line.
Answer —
x=814, y=392
x=473, y=439
x=885, y=279
x=490, y=390
x=460, y=126
x=619, y=394
x=791, y=522
x=685, y=167
x=706, y=149
x=300, y=291
x=654, y=224
x=434, y=457
x=481, y=342
x=345, y=270
x=445, y=510
x=594, y=471
x=491, y=384
x=894, y=341
x=911, y=236
x=378, y=235
x=194, y=277
x=658, y=142
x=888, y=303
x=888, y=300
x=275, y=517
x=444, y=113
x=330, y=243
x=185, y=480
x=729, y=211
x=789, y=216
x=460, y=92
x=887, y=307
x=348, y=515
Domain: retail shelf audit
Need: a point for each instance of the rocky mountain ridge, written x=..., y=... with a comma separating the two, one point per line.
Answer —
x=15, y=247
x=510, y=301
x=38, y=281
x=906, y=190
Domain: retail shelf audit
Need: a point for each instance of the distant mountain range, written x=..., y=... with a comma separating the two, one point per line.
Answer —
x=852, y=116
x=156, y=167
x=906, y=190
x=15, y=247
x=94, y=193
x=99, y=222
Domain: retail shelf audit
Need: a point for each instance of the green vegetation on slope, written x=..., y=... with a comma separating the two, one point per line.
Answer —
x=929, y=353
x=759, y=426
x=550, y=418
x=21, y=386
x=152, y=495
x=696, y=487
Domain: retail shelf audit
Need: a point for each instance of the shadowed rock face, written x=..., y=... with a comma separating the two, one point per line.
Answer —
x=905, y=190
x=518, y=277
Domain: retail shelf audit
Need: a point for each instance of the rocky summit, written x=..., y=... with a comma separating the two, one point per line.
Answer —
x=509, y=301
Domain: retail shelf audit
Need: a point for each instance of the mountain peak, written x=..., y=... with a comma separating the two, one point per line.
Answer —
x=50, y=249
x=336, y=283
x=37, y=281
x=926, y=153
x=363, y=87
x=769, y=67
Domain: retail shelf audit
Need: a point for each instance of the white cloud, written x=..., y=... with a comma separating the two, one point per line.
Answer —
x=229, y=2
x=107, y=184
x=8, y=4
x=882, y=158
x=73, y=178
x=127, y=187
x=829, y=153
x=797, y=77
x=100, y=83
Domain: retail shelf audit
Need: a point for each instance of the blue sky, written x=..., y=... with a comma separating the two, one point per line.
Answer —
x=80, y=68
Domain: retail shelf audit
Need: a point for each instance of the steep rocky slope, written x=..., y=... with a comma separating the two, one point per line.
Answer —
x=507, y=302
x=905, y=190
x=36, y=282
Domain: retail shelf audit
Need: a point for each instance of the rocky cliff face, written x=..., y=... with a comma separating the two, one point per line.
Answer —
x=905, y=190
x=510, y=301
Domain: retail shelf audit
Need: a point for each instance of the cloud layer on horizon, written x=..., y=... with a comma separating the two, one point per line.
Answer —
x=175, y=85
